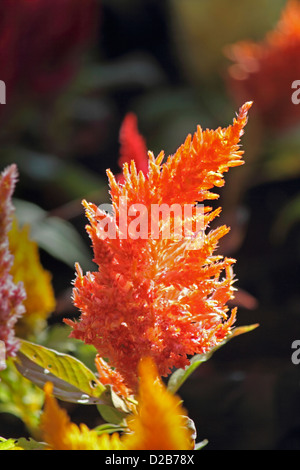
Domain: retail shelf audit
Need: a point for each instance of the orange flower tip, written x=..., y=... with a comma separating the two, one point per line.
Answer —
x=12, y=170
x=78, y=270
x=112, y=180
x=234, y=312
x=151, y=156
x=85, y=204
x=48, y=388
x=146, y=363
x=248, y=105
x=109, y=376
x=243, y=111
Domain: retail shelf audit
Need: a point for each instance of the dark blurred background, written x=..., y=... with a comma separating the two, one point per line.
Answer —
x=164, y=60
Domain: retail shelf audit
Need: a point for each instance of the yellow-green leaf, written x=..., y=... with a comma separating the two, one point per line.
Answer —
x=180, y=375
x=21, y=444
x=7, y=444
x=72, y=380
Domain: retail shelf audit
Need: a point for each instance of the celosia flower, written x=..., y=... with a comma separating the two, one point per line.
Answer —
x=2, y=355
x=133, y=146
x=12, y=295
x=264, y=71
x=158, y=424
x=40, y=301
x=60, y=433
x=157, y=297
x=41, y=42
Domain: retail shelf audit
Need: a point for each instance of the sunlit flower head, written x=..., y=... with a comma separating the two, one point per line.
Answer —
x=158, y=424
x=265, y=71
x=12, y=295
x=160, y=297
x=40, y=301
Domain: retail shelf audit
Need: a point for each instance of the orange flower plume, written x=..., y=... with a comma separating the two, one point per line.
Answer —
x=264, y=71
x=157, y=297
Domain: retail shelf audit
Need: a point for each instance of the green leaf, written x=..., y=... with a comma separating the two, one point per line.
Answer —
x=109, y=428
x=20, y=397
x=59, y=238
x=7, y=444
x=111, y=415
x=20, y=444
x=30, y=444
x=181, y=375
x=116, y=412
x=57, y=336
x=56, y=236
x=42, y=169
x=72, y=380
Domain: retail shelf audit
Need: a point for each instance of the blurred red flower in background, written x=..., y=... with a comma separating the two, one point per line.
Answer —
x=264, y=71
x=41, y=42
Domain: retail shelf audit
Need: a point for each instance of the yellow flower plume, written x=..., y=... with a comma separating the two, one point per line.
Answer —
x=40, y=301
x=61, y=434
x=159, y=423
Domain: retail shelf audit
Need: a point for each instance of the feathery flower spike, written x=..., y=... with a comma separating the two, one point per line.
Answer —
x=40, y=301
x=12, y=295
x=60, y=433
x=154, y=296
x=160, y=422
